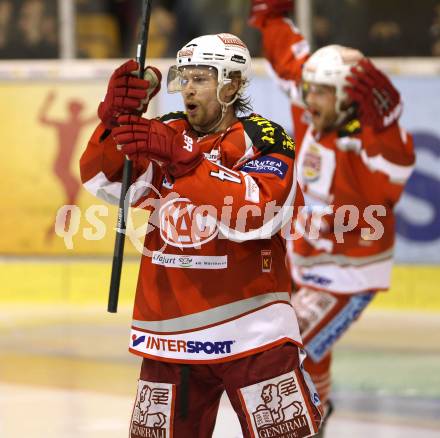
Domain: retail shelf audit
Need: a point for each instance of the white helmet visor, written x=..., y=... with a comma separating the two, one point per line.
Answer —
x=200, y=77
x=317, y=89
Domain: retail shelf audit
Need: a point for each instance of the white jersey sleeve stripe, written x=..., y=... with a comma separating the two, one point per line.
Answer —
x=101, y=187
x=269, y=228
x=397, y=173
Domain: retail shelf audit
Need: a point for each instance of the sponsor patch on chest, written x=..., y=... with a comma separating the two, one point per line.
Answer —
x=316, y=168
x=267, y=165
x=189, y=261
x=312, y=164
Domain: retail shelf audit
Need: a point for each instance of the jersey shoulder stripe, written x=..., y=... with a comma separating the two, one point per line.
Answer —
x=268, y=137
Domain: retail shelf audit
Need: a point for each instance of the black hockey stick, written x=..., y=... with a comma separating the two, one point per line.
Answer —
x=118, y=252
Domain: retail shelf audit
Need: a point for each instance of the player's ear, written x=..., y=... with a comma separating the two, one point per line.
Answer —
x=231, y=89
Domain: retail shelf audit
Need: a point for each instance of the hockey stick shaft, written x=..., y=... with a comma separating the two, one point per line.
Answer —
x=118, y=252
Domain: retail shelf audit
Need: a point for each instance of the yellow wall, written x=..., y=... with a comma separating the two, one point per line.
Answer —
x=30, y=191
x=73, y=282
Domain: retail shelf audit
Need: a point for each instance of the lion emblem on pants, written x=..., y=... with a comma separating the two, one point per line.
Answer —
x=143, y=415
x=280, y=400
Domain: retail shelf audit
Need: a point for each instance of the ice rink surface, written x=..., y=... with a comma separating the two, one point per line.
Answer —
x=66, y=373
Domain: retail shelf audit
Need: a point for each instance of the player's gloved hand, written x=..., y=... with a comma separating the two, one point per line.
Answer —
x=378, y=101
x=175, y=153
x=261, y=10
x=127, y=94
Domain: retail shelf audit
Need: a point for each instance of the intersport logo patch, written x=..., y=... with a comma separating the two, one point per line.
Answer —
x=179, y=345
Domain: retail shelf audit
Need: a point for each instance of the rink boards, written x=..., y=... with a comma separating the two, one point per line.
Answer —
x=414, y=287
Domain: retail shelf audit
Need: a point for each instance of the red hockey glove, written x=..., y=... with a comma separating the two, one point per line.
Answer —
x=264, y=9
x=127, y=94
x=175, y=153
x=379, y=103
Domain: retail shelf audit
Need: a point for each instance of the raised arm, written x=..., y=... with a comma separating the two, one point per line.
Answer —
x=283, y=44
x=386, y=146
x=286, y=50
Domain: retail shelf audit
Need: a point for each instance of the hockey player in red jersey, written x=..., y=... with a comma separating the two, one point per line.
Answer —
x=353, y=160
x=212, y=310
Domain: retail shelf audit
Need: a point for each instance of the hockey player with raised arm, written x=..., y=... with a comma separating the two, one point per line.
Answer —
x=212, y=310
x=353, y=159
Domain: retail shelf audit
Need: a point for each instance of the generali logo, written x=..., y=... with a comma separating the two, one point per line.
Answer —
x=153, y=410
x=184, y=225
x=278, y=408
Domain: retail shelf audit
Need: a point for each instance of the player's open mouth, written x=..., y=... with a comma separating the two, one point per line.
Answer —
x=191, y=108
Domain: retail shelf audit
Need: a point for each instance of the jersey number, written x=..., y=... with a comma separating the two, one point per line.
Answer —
x=224, y=176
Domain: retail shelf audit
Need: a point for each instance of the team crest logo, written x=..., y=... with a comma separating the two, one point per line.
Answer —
x=312, y=164
x=153, y=410
x=184, y=225
x=277, y=408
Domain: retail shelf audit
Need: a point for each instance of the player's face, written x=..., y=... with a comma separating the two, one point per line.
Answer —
x=321, y=100
x=199, y=91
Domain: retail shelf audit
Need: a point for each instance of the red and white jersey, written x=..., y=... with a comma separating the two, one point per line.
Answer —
x=213, y=282
x=351, y=179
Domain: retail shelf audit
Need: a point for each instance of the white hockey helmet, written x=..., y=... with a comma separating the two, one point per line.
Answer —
x=330, y=65
x=224, y=51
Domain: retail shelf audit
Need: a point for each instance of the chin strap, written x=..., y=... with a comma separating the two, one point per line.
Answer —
x=224, y=106
x=216, y=124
